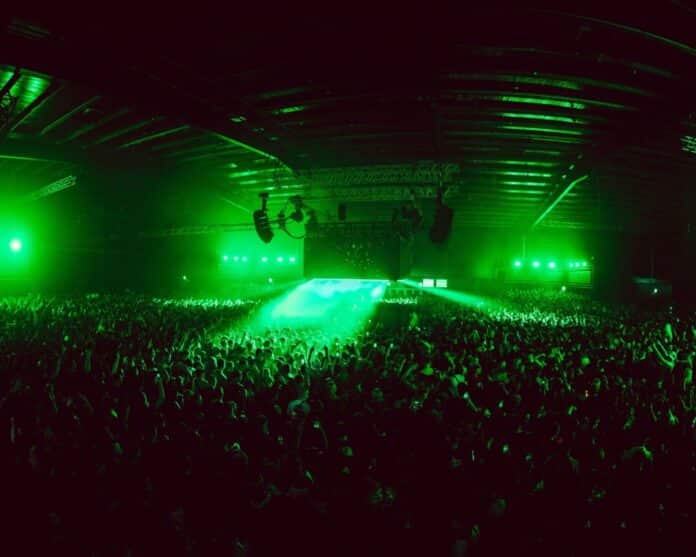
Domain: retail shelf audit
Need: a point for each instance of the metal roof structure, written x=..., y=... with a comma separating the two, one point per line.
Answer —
x=532, y=116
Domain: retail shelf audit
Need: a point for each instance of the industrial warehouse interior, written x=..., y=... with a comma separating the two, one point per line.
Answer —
x=357, y=282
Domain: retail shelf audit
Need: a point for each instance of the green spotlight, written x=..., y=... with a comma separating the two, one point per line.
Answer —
x=270, y=280
x=279, y=259
x=563, y=288
x=570, y=265
x=264, y=259
x=378, y=291
x=184, y=278
x=517, y=263
x=292, y=260
x=244, y=259
x=236, y=258
x=15, y=245
x=428, y=283
x=552, y=264
x=535, y=264
x=225, y=257
x=584, y=263
x=655, y=291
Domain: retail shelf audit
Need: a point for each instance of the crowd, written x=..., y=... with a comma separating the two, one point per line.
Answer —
x=545, y=423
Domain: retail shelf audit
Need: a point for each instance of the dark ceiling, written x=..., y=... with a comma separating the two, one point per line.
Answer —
x=509, y=108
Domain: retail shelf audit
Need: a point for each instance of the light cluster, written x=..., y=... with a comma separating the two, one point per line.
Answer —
x=553, y=265
x=265, y=259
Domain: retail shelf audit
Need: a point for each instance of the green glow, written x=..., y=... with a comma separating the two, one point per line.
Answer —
x=247, y=173
x=458, y=297
x=333, y=307
x=428, y=283
x=292, y=260
x=518, y=173
x=225, y=257
x=542, y=164
x=184, y=277
x=264, y=259
x=521, y=183
x=552, y=264
x=535, y=264
x=440, y=283
x=517, y=263
x=545, y=117
x=544, y=101
x=563, y=288
x=279, y=259
x=244, y=259
x=236, y=258
x=270, y=280
x=584, y=263
x=15, y=245
x=540, y=130
x=290, y=109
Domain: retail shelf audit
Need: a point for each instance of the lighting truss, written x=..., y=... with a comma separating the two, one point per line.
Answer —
x=54, y=187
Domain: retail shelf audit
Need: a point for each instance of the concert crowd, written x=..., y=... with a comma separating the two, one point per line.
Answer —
x=548, y=424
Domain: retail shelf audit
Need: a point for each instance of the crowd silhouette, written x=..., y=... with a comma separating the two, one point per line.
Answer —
x=547, y=424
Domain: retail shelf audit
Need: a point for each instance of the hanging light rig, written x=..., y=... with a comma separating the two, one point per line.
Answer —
x=263, y=223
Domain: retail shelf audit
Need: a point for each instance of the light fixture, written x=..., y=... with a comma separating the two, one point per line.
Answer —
x=261, y=221
x=225, y=257
x=236, y=258
x=535, y=264
x=552, y=264
x=517, y=263
x=297, y=215
x=279, y=259
x=292, y=260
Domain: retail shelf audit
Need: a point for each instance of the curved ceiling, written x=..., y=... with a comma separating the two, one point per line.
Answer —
x=510, y=109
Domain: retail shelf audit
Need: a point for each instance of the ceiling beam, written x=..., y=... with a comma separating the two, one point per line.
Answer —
x=15, y=122
x=556, y=199
x=10, y=82
x=147, y=92
x=68, y=115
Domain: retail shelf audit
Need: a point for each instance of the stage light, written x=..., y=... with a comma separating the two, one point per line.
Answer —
x=552, y=264
x=655, y=291
x=264, y=259
x=261, y=221
x=584, y=263
x=236, y=258
x=440, y=283
x=535, y=264
x=184, y=278
x=15, y=245
x=563, y=288
x=225, y=257
x=517, y=263
x=244, y=259
x=428, y=283
x=279, y=259
x=270, y=280
x=297, y=215
x=292, y=260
